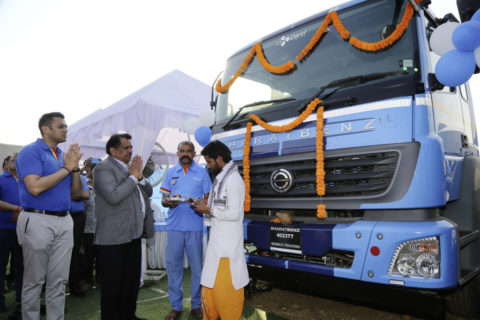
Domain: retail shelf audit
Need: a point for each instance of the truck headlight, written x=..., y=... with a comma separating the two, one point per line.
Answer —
x=417, y=259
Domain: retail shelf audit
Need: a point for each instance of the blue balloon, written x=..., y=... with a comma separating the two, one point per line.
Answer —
x=476, y=16
x=203, y=135
x=455, y=67
x=466, y=36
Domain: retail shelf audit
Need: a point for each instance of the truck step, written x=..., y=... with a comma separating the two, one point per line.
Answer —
x=466, y=275
x=467, y=237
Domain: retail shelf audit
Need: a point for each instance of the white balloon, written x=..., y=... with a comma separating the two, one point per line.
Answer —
x=441, y=38
x=191, y=125
x=476, y=52
x=206, y=117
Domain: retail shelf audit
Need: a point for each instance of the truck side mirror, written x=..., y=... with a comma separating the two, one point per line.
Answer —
x=434, y=83
x=466, y=8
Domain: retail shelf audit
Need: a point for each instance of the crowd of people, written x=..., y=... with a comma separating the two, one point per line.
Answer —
x=51, y=206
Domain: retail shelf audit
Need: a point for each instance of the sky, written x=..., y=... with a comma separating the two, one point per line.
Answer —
x=77, y=56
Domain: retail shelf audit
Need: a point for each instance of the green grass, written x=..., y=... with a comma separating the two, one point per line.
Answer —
x=152, y=304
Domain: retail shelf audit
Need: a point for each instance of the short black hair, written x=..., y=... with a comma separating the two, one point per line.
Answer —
x=5, y=161
x=217, y=148
x=47, y=119
x=115, y=141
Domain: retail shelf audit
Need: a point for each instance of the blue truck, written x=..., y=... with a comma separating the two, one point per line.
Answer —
x=401, y=161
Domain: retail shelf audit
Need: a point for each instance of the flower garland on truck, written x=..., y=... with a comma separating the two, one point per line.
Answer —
x=257, y=49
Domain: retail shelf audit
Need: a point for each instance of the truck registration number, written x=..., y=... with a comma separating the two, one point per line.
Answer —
x=286, y=239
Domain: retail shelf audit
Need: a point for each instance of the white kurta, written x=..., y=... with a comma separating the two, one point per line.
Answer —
x=226, y=236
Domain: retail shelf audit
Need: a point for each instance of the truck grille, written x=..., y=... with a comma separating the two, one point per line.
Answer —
x=347, y=175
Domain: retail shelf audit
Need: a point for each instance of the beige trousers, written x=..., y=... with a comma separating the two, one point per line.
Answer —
x=47, y=243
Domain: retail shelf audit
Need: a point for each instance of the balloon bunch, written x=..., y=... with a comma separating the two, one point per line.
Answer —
x=201, y=127
x=459, y=46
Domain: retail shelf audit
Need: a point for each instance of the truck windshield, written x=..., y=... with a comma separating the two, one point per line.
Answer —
x=332, y=59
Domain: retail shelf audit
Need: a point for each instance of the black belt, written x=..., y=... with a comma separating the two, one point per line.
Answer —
x=52, y=213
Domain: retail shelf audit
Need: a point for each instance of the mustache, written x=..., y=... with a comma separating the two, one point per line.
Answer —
x=185, y=157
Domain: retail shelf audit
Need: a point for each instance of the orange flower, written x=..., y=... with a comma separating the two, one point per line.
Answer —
x=344, y=33
x=273, y=69
x=316, y=37
x=388, y=41
x=292, y=125
x=246, y=166
x=321, y=211
x=320, y=173
x=320, y=170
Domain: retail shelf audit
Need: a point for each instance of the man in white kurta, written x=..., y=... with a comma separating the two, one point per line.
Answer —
x=224, y=271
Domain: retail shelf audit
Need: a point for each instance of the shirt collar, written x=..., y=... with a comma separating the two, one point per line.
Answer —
x=45, y=146
x=178, y=167
x=123, y=164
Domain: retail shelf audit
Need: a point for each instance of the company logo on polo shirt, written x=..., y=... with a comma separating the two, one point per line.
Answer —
x=197, y=178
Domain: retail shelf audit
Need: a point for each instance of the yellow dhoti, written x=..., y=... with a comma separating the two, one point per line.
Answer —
x=222, y=300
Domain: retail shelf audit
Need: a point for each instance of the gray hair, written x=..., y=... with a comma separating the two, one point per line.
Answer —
x=188, y=143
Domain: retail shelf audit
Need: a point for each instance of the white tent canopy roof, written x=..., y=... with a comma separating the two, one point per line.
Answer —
x=155, y=113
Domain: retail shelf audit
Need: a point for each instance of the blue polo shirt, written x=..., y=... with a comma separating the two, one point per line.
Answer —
x=37, y=158
x=193, y=183
x=8, y=193
x=77, y=206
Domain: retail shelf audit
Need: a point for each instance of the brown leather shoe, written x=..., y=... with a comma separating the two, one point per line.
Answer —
x=172, y=315
x=198, y=313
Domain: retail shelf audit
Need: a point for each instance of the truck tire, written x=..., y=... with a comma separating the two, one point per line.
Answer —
x=464, y=301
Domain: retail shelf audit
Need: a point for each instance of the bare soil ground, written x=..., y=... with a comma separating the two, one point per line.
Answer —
x=292, y=305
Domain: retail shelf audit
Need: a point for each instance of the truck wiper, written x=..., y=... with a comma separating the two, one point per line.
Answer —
x=253, y=104
x=342, y=83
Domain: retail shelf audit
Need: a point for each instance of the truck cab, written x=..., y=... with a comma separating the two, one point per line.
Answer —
x=401, y=157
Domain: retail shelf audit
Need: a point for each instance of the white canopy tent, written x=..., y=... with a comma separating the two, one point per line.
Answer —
x=156, y=113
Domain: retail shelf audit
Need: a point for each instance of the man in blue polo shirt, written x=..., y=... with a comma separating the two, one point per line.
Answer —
x=47, y=180
x=9, y=210
x=184, y=227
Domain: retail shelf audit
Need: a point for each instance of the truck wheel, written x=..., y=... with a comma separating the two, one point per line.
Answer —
x=464, y=301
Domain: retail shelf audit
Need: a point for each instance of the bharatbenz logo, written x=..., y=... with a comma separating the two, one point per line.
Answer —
x=281, y=180
x=332, y=129
x=291, y=37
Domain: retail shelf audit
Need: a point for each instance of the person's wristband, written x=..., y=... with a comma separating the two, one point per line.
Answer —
x=76, y=170
x=69, y=171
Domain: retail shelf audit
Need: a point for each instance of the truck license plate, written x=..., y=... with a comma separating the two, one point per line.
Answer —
x=286, y=239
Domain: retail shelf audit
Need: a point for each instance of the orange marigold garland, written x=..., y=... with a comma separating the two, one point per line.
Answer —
x=337, y=23
x=344, y=33
x=246, y=167
x=246, y=61
x=321, y=211
x=320, y=172
x=388, y=41
x=292, y=125
x=273, y=69
x=316, y=37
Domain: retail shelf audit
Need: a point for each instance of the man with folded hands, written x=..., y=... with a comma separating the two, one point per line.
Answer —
x=47, y=180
